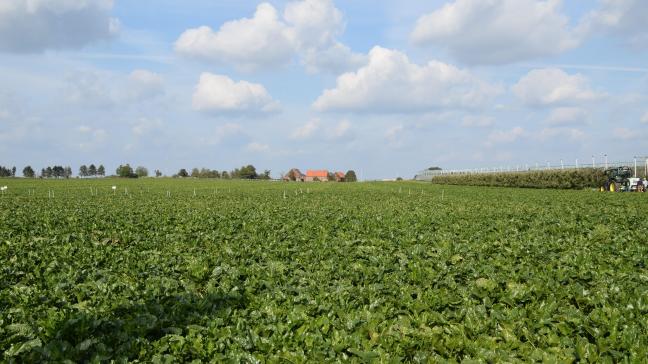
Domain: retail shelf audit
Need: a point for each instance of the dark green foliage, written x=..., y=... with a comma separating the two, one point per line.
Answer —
x=245, y=272
x=126, y=171
x=28, y=172
x=350, y=176
x=567, y=179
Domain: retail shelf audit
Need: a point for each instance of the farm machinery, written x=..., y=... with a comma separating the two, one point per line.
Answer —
x=619, y=179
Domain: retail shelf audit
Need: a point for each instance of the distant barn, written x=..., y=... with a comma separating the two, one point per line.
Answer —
x=316, y=175
x=294, y=175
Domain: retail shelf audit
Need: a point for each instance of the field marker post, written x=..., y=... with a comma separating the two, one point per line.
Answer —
x=284, y=195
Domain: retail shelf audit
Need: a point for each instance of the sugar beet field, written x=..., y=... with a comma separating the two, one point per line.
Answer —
x=212, y=271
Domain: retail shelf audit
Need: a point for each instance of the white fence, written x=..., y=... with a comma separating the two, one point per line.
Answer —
x=639, y=166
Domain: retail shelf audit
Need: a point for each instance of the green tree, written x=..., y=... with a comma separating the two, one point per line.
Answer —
x=183, y=173
x=195, y=173
x=125, y=171
x=101, y=171
x=158, y=173
x=350, y=176
x=13, y=171
x=225, y=175
x=141, y=171
x=247, y=172
x=92, y=170
x=28, y=172
x=67, y=173
x=83, y=171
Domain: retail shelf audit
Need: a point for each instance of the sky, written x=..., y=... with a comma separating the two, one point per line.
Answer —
x=382, y=87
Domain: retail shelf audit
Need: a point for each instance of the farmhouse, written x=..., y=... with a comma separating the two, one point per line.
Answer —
x=339, y=176
x=294, y=175
x=316, y=175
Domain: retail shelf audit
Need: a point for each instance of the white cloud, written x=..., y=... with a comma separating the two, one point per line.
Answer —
x=552, y=86
x=145, y=126
x=477, y=121
x=314, y=128
x=496, y=32
x=625, y=19
x=307, y=130
x=394, y=132
x=248, y=43
x=341, y=130
x=644, y=118
x=37, y=25
x=308, y=28
x=257, y=147
x=505, y=136
x=145, y=84
x=567, y=115
x=572, y=134
x=626, y=134
x=217, y=93
x=91, y=137
x=391, y=83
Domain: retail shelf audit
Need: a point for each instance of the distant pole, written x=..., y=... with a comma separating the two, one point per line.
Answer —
x=635, y=162
x=562, y=165
x=593, y=162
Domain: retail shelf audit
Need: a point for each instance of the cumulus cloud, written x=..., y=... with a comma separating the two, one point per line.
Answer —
x=257, y=147
x=552, y=86
x=218, y=93
x=307, y=130
x=145, y=126
x=625, y=19
x=477, y=121
x=341, y=130
x=626, y=134
x=315, y=130
x=91, y=137
x=572, y=134
x=37, y=25
x=391, y=83
x=394, y=132
x=497, y=31
x=248, y=43
x=145, y=84
x=567, y=115
x=505, y=136
x=100, y=89
x=307, y=28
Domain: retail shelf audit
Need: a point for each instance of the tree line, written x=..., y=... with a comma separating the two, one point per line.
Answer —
x=244, y=172
x=126, y=171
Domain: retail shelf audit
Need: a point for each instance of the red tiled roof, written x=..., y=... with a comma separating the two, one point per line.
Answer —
x=339, y=174
x=321, y=173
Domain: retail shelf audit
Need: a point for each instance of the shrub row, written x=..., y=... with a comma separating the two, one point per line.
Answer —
x=560, y=179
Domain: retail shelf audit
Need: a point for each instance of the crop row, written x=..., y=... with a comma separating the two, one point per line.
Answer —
x=560, y=179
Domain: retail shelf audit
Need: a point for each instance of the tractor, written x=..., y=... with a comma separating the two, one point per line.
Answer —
x=618, y=179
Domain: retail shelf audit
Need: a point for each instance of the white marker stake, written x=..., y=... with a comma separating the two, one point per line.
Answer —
x=284, y=194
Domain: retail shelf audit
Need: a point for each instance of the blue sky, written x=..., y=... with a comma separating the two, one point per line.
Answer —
x=385, y=88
